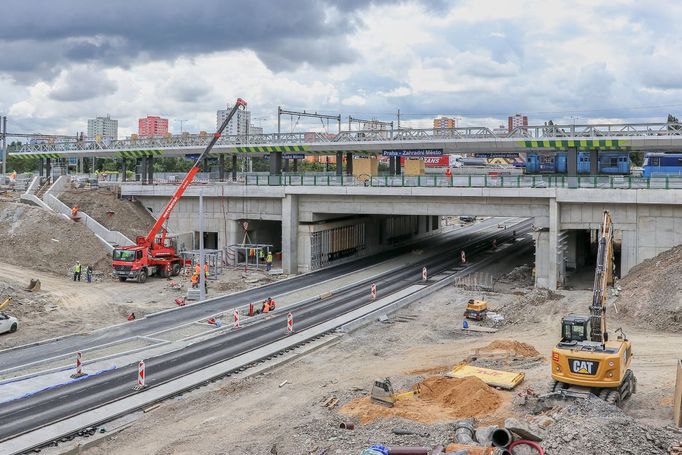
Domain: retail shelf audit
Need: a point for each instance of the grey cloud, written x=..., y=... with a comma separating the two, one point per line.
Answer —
x=285, y=33
x=82, y=84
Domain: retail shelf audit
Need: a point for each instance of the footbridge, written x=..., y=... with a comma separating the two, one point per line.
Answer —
x=620, y=136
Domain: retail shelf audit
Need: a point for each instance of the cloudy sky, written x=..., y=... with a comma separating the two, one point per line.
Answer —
x=63, y=61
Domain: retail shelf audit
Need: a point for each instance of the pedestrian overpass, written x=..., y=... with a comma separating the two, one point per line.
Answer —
x=621, y=136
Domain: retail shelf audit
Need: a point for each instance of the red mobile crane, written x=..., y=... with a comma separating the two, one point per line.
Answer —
x=156, y=254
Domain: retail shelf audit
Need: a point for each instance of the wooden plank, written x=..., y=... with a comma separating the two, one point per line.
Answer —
x=678, y=396
x=496, y=378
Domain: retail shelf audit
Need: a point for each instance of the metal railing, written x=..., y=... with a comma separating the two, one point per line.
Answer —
x=469, y=181
x=395, y=136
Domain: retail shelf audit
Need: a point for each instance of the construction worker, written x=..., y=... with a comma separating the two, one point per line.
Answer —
x=195, y=280
x=74, y=211
x=271, y=303
x=268, y=261
x=77, y=271
x=206, y=276
x=131, y=317
x=266, y=307
x=448, y=172
x=197, y=269
x=88, y=274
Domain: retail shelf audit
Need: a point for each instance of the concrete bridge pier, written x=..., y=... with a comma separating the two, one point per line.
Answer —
x=339, y=163
x=234, y=168
x=349, y=163
x=150, y=170
x=221, y=167
x=41, y=167
x=275, y=163
x=290, y=234
x=549, y=251
x=124, y=170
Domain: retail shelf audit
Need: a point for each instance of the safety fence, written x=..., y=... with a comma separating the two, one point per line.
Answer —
x=469, y=181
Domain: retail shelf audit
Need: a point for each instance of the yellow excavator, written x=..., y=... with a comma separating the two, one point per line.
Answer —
x=382, y=392
x=585, y=360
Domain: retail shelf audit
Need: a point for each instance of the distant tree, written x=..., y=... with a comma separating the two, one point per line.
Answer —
x=550, y=123
x=636, y=158
x=673, y=120
x=17, y=164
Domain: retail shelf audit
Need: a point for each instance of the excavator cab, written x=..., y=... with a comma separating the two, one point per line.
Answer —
x=575, y=328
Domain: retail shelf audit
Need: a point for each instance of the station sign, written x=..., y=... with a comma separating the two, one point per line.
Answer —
x=287, y=156
x=416, y=153
x=496, y=155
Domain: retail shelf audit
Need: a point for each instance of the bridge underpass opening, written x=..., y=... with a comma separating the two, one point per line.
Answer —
x=342, y=238
x=580, y=256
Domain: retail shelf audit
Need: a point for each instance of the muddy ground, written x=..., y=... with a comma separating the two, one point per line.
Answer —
x=257, y=416
x=63, y=306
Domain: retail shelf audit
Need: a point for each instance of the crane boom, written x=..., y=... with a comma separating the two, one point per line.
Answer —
x=165, y=214
x=602, y=277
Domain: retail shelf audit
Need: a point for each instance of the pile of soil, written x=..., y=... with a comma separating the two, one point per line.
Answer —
x=441, y=399
x=531, y=307
x=594, y=426
x=515, y=348
x=520, y=276
x=651, y=293
x=129, y=218
x=42, y=240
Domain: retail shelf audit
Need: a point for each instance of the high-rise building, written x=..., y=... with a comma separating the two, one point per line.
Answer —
x=444, y=122
x=239, y=124
x=103, y=127
x=255, y=129
x=515, y=121
x=152, y=126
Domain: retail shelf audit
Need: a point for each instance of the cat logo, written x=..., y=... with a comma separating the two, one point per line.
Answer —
x=583, y=366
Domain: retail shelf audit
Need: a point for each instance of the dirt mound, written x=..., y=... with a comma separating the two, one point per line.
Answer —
x=514, y=347
x=531, y=307
x=42, y=240
x=441, y=399
x=652, y=292
x=129, y=218
x=594, y=426
x=520, y=276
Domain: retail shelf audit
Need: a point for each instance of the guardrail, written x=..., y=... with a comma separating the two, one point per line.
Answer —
x=470, y=181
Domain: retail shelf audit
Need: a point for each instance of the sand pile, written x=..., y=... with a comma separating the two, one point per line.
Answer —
x=35, y=238
x=515, y=348
x=129, y=218
x=651, y=293
x=441, y=399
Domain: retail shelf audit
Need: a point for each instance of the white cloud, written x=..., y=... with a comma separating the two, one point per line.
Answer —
x=355, y=100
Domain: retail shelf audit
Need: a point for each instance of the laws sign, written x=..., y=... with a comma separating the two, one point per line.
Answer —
x=413, y=153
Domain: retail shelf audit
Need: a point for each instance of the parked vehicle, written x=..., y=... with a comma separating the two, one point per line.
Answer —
x=8, y=323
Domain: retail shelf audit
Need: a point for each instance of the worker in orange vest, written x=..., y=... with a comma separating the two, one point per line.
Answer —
x=448, y=172
x=197, y=269
x=195, y=280
x=266, y=307
x=206, y=269
x=271, y=303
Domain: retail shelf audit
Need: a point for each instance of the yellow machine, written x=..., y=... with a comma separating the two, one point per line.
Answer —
x=476, y=309
x=585, y=360
x=382, y=392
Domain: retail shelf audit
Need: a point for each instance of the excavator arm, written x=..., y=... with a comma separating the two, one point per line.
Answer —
x=603, y=275
x=165, y=214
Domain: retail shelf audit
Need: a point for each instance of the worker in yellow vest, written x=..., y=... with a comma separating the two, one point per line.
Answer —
x=268, y=261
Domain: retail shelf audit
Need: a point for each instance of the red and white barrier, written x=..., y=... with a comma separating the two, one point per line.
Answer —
x=425, y=275
x=236, y=319
x=140, y=374
x=373, y=291
x=79, y=366
x=290, y=323
x=463, y=257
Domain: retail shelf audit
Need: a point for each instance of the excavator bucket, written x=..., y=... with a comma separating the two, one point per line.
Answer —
x=382, y=392
x=6, y=302
x=33, y=286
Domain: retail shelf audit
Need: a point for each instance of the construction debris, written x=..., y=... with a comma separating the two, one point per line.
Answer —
x=496, y=378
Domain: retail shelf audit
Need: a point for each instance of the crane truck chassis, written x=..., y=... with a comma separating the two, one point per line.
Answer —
x=156, y=254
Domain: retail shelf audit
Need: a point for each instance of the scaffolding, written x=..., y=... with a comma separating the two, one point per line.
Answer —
x=247, y=255
x=214, y=258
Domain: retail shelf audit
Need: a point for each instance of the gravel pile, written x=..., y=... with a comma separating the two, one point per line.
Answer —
x=594, y=426
x=651, y=293
x=38, y=239
x=520, y=276
x=531, y=307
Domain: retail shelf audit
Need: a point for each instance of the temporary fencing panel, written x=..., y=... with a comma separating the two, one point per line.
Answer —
x=333, y=245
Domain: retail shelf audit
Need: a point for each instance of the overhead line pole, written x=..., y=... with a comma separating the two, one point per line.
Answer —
x=281, y=112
